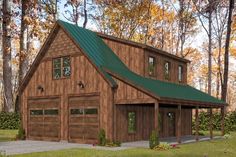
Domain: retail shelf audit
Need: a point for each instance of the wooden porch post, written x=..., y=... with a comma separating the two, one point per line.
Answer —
x=196, y=124
x=222, y=121
x=156, y=117
x=211, y=131
x=179, y=125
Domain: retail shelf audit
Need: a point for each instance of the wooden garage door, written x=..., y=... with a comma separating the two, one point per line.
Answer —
x=83, y=119
x=44, y=119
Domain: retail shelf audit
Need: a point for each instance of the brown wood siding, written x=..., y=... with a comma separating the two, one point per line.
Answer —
x=81, y=70
x=145, y=122
x=136, y=59
x=160, y=60
x=128, y=94
x=132, y=57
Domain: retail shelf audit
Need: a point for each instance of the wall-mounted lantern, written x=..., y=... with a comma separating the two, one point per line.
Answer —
x=40, y=88
x=81, y=85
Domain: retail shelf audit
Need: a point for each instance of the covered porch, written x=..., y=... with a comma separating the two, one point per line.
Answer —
x=195, y=107
x=172, y=120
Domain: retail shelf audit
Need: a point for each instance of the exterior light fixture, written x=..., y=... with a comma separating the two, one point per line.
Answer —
x=81, y=85
x=40, y=88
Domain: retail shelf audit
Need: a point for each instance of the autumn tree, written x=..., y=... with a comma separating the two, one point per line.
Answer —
x=219, y=25
x=186, y=25
x=205, y=10
x=226, y=56
x=6, y=48
x=78, y=9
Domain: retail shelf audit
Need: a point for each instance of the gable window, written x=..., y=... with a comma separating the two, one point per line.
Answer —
x=61, y=67
x=131, y=122
x=167, y=70
x=151, y=65
x=180, y=73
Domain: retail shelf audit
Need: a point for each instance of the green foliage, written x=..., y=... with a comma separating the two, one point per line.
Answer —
x=102, y=141
x=204, y=117
x=113, y=144
x=9, y=120
x=163, y=146
x=154, y=139
x=21, y=133
x=102, y=137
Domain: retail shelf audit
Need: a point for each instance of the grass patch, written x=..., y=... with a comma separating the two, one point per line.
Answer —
x=7, y=135
x=215, y=148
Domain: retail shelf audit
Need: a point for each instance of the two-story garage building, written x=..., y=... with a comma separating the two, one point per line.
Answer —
x=82, y=81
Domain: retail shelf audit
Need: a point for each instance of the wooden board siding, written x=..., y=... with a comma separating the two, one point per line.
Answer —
x=81, y=70
x=136, y=59
x=145, y=122
x=126, y=94
x=132, y=57
x=160, y=60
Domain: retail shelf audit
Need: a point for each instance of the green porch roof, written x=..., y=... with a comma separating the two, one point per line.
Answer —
x=107, y=62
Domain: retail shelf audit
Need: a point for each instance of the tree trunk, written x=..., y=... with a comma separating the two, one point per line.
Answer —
x=210, y=53
x=23, y=63
x=226, y=57
x=6, y=48
x=85, y=14
x=219, y=69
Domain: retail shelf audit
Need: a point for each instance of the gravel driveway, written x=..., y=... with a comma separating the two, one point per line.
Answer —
x=22, y=147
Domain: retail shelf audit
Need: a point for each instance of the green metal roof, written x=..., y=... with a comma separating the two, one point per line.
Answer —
x=105, y=59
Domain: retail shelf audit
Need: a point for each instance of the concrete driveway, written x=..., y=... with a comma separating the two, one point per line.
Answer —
x=22, y=147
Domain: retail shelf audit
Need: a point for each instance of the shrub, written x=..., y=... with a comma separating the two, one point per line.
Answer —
x=21, y=134
x=163, y=146
x=9, y=120
x=230, y=121
x=154, y=139
x=102, y=137
x=113, y=144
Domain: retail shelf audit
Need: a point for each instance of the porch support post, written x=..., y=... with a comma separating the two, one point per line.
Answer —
x=156, y=116
x=210, y=122
x=196, y=124
x=222, y=121
x=179, y=125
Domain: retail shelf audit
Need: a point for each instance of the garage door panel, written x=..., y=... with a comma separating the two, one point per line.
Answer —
x=91, y=119
x=54, y=119
x=51, y=105
x=36, y=119
x=44, y=119
x=51, y=131
x=76, y=120
x=35, y=106
x=76, y=131
x=36, y=130
x=83, y=120
x=91, y=132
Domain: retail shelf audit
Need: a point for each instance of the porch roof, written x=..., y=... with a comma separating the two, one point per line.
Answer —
x=111, y=66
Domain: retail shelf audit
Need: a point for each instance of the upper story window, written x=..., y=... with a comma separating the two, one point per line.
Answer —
x=151, y=65
x=180, y=73
x=61, y=67
x=167, y=70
